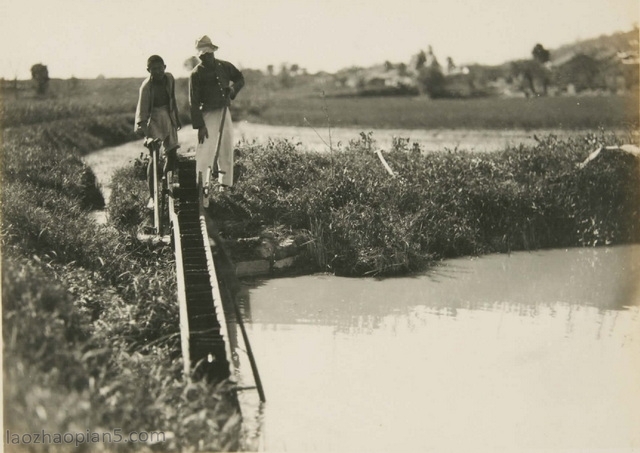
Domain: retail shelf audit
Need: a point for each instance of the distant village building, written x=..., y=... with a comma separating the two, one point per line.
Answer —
x=452, y=69
x=628, y=57
x=585, y=68
x=380, y=77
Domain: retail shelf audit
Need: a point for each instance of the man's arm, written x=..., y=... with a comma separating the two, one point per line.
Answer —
x=175, y=102
x=238, y=80
x=142, y=112
x=197, y=121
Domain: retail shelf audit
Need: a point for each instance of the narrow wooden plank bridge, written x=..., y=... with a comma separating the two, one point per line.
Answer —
x=205, y=342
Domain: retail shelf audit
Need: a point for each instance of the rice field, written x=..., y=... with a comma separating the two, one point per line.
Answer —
x=584, y=112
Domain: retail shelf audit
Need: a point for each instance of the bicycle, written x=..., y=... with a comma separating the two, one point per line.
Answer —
x=161, y=188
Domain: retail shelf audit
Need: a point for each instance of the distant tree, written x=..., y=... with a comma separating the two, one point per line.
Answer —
x=522, y=76
x=402, y=69
x=540, y=54
x=582, y=71
x=40, y=75
x=270, y=70
x=533, y=76
x=14, y=86
x=431, y=81
x=421, y=59
x=341, y=80
x=431, y=60
x=294, y=69
x=388, y=66
x=191, y=63
x=74, y=83
x=286, y=81
x=450, y=64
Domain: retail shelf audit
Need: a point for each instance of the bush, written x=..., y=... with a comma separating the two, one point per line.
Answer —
x=445, y=204
x=128, y=198
x=38, y=315
x=432, y=82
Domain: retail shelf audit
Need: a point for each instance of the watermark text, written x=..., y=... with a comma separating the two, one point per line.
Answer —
x=89, y=437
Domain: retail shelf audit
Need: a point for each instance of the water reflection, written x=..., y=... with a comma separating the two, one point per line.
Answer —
x=532, y=350
x=607, y=278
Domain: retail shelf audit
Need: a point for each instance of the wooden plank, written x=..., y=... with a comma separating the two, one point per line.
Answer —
x=182, y=295
x=203, y=329
x=384, y=163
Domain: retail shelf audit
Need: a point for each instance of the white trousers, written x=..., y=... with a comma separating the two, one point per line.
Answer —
x=205, y=152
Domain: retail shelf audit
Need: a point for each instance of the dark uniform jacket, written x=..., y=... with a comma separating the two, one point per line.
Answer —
x=207, y=88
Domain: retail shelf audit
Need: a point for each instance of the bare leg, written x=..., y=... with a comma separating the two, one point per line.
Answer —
x=170, y=160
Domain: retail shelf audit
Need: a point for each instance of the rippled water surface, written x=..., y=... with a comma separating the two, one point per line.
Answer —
x=517, y=352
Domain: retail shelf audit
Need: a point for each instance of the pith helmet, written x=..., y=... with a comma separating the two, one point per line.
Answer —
x=204, y=45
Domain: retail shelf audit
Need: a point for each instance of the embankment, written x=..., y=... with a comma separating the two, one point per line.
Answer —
x=90, y=327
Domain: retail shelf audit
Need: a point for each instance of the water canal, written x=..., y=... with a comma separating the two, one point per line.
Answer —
x=533, y=350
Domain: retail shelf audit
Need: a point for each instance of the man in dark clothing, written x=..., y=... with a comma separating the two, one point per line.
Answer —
x=212, y=84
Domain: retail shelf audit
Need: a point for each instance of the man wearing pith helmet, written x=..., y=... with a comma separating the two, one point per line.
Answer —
x=212, y=85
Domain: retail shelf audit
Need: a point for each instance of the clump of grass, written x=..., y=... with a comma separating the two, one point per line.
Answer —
x=363, y=222
x=128, y=197
x=49, y=168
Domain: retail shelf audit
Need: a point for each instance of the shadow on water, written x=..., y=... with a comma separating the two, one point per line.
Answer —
x=237, y=310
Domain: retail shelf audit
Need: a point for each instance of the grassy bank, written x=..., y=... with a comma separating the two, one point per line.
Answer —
x=90, y=322
x=360, y=221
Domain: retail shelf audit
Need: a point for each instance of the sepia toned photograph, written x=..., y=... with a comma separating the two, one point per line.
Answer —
x=320, y=226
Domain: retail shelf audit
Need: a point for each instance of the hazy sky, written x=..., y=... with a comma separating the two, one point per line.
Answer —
x=85, y=38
